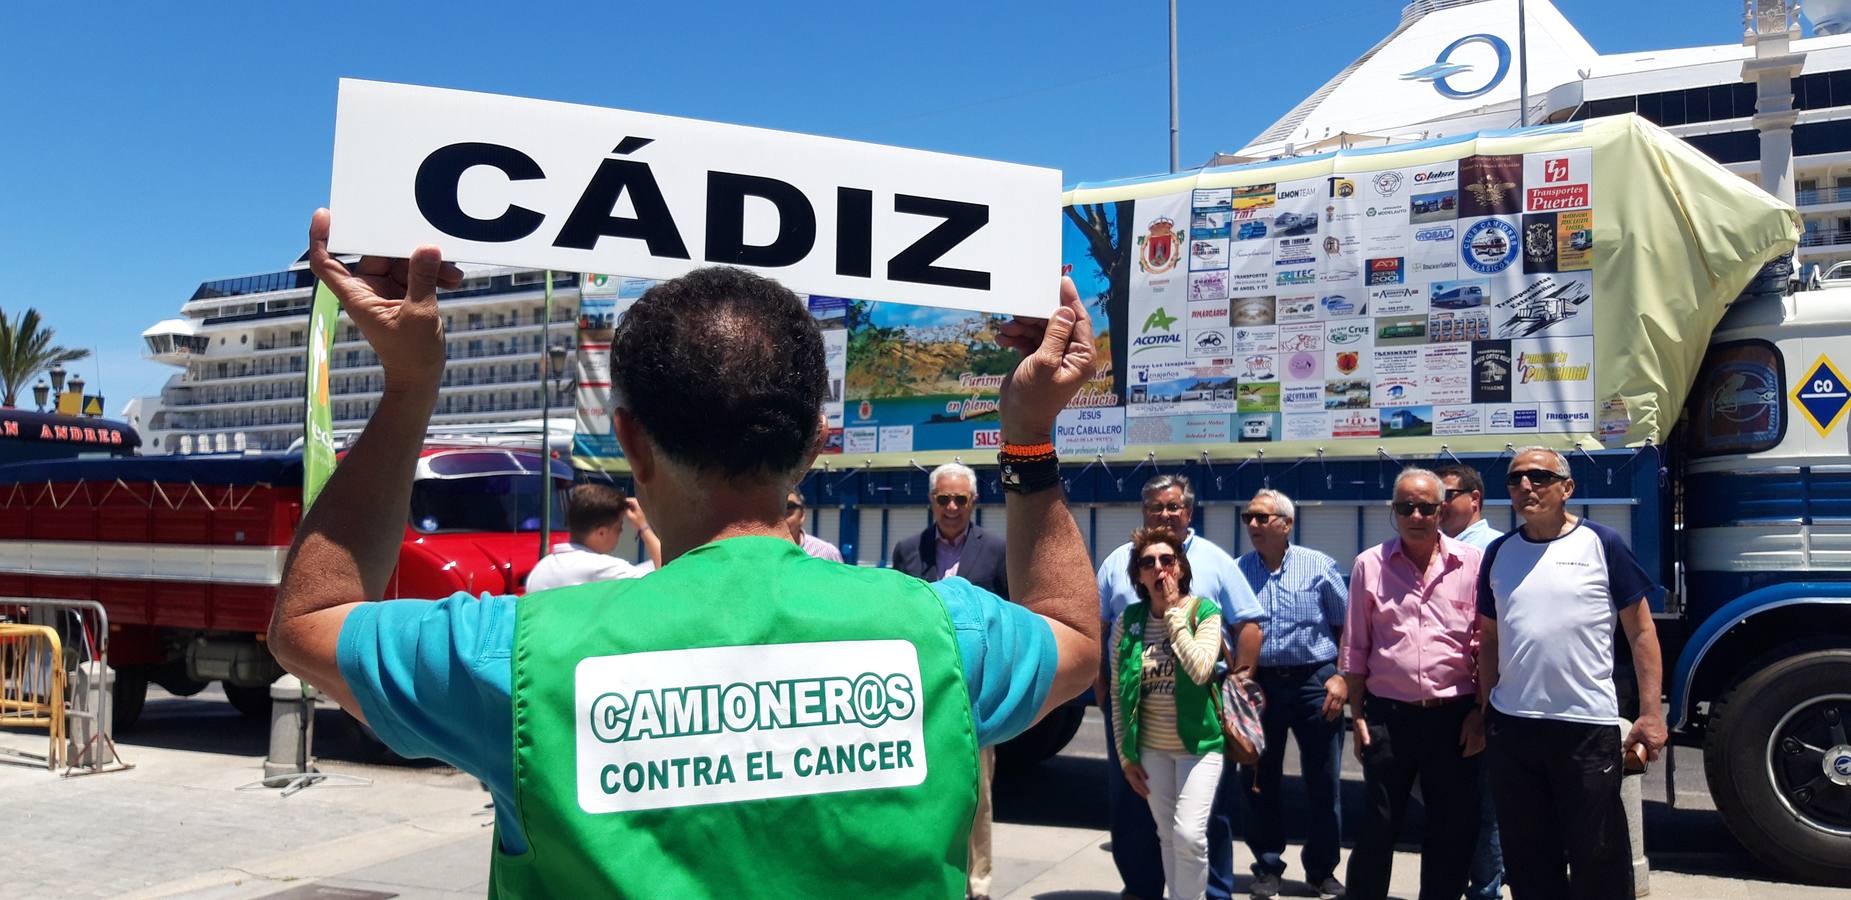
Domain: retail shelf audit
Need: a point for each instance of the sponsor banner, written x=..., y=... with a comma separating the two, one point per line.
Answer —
x=1433, y=206
x=896, y=438
x=1451, y=420
x=1210, y=222
x=1257, y=367
x=1547, y=304
x=1464, y=325
x=1177, y=388
x=1208, y=253
x=1255, y=196
x=1255, y=310
x=1386, y=270
x=1192, y=429
x=1356, y=423
x=1301, y=398
x=1509, y=418
x=1256, y=427
x=1211, y=314
x=1574, y=241
x=1313, y=426
x=986, y=439
x=860, y=440
x=1347, y=393
x=1295, y=252
x=1488, y=246
x=1553, y=370
x=1439, y=176
x=1078, y=432
x=1539, y=242
x=513, y=181
x=1398, y=300
x=1567, y=418
x=1260, y=339
x=1490, y=186
x=1250, y=266
x=1211, y=343
x=1210, y=285
x=1401, y=331
x=1558, y=180
x=1348, y=348
x=1297, y=309
x=1348, y=304
x=1407, y=421
x=1491, y=371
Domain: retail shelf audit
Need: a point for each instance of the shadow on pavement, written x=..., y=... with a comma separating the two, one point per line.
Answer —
x=207, y=723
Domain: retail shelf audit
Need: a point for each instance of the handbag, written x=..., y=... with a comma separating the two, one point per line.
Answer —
x=1239, y=703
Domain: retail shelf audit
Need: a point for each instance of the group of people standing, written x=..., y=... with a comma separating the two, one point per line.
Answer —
x=1446, y=640
x=1476, y=665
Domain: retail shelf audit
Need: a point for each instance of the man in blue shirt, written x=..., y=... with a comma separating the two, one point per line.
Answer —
x=1305, y=600
x=1169, y=502
x=439, y=678
x=1462, y=518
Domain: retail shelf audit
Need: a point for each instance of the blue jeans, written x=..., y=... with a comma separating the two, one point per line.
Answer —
x=1295, y=703
x=1487, y=875
x=1135, y=850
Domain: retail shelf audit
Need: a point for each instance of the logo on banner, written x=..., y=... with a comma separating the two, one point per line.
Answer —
x=1387, y=183
x=1489, y=246
x=1554, y=170
x=1441, y=73
x=1162, y=322
x=1387, y=270
x=1157, y=249
x=1342, y=187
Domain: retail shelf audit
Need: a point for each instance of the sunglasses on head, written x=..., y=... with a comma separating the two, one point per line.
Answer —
x=948, y=499
x=1538, y=478
x=1165, y=560
x=1409, y=507
x=1253, y=518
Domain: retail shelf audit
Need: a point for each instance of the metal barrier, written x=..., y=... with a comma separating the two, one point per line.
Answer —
x=83, y=627
x=32, y=686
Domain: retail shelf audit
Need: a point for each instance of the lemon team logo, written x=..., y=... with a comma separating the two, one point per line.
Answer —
x=1157, y=249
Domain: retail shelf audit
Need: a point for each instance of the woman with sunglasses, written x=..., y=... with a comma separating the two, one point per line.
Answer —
x=1170, y=739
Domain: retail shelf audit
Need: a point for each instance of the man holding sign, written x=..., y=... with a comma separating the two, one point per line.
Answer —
x=727, y=726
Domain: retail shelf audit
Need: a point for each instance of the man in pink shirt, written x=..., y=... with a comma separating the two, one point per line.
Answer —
x=1409, y=654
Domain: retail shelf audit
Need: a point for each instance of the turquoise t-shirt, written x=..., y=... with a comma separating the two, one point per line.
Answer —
x=433, y=677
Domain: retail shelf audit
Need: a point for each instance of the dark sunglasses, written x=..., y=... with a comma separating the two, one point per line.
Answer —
x=1259, y=518
x=1164, y=507
x=1408, y=508
x=790, y=507
x=1540, y=478
x=1165, y=560
x=1454, y=493
x=948, y=499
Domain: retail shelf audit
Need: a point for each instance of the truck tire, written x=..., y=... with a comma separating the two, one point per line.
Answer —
x=1779, y=764
x=252, y=702
x=1042, y=740
x=127, y=697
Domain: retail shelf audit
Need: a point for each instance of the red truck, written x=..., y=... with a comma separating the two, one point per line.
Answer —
x=185, y=553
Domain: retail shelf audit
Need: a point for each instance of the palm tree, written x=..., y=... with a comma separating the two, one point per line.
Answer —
x=25, y=351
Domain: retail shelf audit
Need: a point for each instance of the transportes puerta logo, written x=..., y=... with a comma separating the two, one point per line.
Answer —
x=1489, y=246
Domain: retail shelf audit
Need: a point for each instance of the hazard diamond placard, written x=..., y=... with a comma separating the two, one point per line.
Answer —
x=1822, y=396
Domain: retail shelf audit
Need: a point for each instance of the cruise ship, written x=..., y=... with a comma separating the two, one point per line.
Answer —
x=241, y=345
x=1448, y=67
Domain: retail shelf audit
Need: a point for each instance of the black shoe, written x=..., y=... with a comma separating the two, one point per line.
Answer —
x=1264, y=887
x=1329, y=888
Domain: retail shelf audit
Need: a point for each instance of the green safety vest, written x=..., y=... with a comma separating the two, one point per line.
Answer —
x=1197, y=722
x=747, y=721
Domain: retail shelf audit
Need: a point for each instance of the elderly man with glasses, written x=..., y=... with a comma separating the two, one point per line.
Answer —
x=1305, y=601
x=955, y=547
x=1169, y=502
x=1410, y=657
x=1548, y=596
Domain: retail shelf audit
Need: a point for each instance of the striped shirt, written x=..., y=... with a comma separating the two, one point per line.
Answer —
x=1305, y=602
x=1193, y=650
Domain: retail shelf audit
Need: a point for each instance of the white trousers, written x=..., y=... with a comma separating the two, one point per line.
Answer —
x=1182, y=788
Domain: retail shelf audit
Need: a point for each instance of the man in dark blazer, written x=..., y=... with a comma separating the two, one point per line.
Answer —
x=953, y=546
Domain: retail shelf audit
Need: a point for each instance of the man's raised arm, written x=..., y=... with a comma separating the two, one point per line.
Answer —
x=348, y=543
x=1049, y=571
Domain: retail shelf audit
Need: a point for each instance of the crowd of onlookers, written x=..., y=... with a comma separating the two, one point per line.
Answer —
x=1475, y=667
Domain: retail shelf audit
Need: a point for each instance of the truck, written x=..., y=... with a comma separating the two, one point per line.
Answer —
x=185, y=553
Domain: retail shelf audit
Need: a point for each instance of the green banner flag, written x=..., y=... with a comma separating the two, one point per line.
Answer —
x=318, y=420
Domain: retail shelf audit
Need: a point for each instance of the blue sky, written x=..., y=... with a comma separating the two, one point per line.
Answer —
x=149, y=147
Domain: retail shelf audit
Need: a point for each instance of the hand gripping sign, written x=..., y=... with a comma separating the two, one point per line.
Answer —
x=511, y=181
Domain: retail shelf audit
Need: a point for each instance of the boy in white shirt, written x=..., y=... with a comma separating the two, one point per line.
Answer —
x=595, y=514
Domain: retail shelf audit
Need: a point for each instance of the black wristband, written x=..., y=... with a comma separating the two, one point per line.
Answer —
x=1027, y=476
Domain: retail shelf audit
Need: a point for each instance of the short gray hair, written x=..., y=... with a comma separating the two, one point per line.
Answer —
x=1561, y=462
x=1163, y=483
x=1282, y=505
x=951, y=468
x=1418, y=472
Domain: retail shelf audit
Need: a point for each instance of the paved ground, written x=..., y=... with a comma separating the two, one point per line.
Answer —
x=178, y=826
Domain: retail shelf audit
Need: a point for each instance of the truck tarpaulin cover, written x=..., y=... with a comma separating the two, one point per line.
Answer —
x=1550, y=285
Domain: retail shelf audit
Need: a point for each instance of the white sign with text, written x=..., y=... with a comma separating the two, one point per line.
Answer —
x=512, y=181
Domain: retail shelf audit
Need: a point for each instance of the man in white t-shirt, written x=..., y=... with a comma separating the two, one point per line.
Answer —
x=595, y=514
x=1549, y=594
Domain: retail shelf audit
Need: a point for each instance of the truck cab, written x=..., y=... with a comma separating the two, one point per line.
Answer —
x=1761, y=669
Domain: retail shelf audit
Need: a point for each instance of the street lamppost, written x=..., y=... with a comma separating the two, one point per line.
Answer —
x=39, y=392
x=57, y=379
x=553, y=369
x=77, y=387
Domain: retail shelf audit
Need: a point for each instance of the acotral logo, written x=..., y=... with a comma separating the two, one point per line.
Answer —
x=1158, y=319
x=1441, y=73
x=1157, y=248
